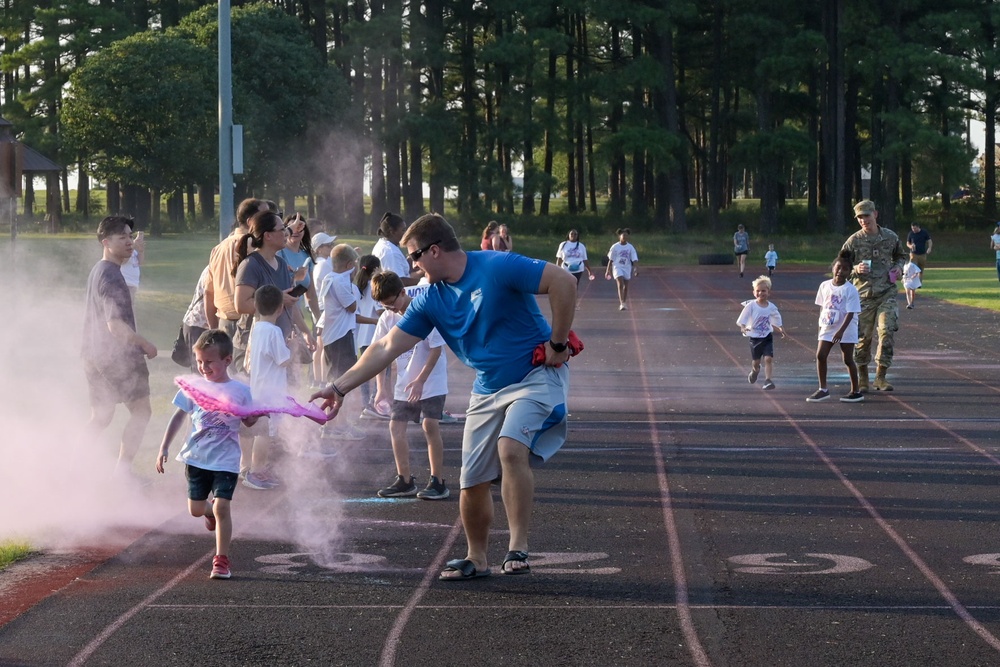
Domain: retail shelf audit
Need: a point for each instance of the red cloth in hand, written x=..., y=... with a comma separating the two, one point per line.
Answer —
x=573, y=344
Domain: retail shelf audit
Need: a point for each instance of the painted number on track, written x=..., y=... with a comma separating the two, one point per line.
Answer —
x=781, y=563
x=551, y=562
x=989, y=560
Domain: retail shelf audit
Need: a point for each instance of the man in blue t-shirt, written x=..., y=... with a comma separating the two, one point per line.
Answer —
x=483, y=304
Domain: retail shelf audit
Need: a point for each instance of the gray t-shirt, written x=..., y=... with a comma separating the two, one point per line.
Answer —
x=256, y=272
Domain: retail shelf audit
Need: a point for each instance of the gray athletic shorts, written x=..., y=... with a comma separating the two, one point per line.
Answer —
x=533, y=412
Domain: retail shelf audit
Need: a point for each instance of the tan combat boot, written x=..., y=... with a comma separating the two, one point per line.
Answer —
x=881, y=384
x=863, y=378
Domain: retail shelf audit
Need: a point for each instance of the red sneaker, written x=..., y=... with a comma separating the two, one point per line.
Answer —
x=220, y=568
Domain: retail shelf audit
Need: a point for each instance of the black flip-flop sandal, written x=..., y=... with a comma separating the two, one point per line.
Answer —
x=518, y=556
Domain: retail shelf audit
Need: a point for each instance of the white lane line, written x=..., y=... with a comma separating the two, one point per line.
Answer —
x=391, y=645
x=942, y=588
x=626, y=607
x=688, y=630
x=97, y=641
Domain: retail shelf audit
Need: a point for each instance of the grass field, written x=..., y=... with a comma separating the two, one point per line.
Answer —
x=962, y=271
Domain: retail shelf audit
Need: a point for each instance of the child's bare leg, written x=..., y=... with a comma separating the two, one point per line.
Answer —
x=319, y=366
x=223, y=526
x=852, y=368
x=435, y=446
x=822, y=352
x=768, y=366
x=260, y=460
x=400, y=447
x=621, y=289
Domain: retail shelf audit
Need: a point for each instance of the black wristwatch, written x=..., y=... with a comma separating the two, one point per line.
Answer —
x=557, y=347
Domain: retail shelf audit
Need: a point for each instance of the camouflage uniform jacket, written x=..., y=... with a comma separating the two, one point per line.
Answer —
x=885, y=251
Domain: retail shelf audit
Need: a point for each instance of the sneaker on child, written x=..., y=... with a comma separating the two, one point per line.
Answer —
x=853, y=397
x=818, y=395
x=435, y=490
x=399, y=488
x=220, y=568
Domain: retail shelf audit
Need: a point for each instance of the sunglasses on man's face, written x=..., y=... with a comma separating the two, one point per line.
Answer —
x=417, y=254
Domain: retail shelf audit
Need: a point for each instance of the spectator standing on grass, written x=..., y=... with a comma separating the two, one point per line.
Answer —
x=502, y=241
x=114, y=354
x=211, y=451
x=995, y=245
x=838, y=323
x=758, y=320
x=484, y=305
x=877, y=255
x=920, y=244
x=132, y=269
x=741, y=247
x=489, y=233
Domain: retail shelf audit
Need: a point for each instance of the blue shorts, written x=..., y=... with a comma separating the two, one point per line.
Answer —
x=532, y=412
x=762, y=347
x=200, y=482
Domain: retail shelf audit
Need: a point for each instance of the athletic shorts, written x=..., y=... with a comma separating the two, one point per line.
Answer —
x=762, y=347
x=340, y=355
x=200, y=482
x=126, y=382
x=532, y=412
x=425, y=408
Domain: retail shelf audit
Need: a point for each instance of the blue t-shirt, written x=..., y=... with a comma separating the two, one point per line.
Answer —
x=214, y=441
x=296, y=259
x=489, y=318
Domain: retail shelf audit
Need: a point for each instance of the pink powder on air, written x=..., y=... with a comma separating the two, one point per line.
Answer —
x=203, y=393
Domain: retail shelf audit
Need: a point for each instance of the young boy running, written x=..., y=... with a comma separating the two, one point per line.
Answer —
x=759, y=319
x=211, y=452
x=420, y=391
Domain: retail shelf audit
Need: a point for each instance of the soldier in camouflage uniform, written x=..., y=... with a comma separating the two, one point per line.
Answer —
x=875, y=253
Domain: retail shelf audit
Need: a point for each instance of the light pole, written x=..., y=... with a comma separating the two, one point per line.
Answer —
x=226, y=213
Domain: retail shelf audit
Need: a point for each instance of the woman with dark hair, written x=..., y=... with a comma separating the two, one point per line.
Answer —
x=266, y=267
x=390, y=230
x=489, y=234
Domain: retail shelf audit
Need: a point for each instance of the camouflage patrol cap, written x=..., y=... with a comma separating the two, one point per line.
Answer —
x=864, y=207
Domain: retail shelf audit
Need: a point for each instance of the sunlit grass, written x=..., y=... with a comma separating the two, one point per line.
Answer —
x=12, y=551
x=966, y=286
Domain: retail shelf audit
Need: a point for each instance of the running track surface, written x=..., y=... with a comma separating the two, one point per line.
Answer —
x=691, y=519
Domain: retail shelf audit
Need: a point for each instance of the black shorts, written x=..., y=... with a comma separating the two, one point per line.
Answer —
x=220, y=483
x=762, y=347
x=340, y=355
x=125, y=382
x=425, y=408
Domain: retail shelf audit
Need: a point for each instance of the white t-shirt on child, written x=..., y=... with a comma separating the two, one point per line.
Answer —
x=835, y=302
x=761, y=320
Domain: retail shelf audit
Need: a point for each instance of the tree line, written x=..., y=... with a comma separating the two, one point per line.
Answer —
x=636, y=109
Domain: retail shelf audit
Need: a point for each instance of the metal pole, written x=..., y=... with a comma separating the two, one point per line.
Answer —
x=226, y=211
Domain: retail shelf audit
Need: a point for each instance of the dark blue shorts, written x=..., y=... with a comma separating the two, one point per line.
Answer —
x=201, y=482
x=762, y=347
